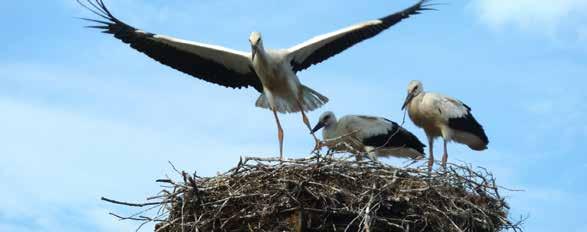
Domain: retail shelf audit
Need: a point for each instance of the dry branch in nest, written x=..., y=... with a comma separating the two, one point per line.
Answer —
x=325, y=194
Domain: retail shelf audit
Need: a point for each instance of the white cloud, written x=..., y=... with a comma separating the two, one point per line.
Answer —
x=547, y=17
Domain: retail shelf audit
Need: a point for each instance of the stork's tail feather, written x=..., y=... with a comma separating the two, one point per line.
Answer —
x=263, y=102
x=311, y=100
x=468, y=131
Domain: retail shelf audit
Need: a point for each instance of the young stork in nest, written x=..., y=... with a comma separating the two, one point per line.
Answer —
x=374, y=136
x=443, y=116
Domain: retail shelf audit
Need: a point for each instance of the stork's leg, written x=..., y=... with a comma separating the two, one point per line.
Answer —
x=431, y=154
x=444, y=156
x=307, y=122
x=330, y=153
x=279, y=134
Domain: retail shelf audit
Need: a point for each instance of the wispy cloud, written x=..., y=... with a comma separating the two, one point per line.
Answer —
x=546, y=17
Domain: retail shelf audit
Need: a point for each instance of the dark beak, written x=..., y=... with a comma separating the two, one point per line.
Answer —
x=317, y=127
x=253, y=52
x=408, y=99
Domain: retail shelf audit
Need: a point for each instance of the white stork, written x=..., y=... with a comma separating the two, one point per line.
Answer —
x=443, y=116
x=271, y=72
x=374, y=136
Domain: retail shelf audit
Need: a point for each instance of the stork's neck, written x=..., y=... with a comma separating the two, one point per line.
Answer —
x=329, y=131
x=260, y=54
x=419, y=96
x=417, y=99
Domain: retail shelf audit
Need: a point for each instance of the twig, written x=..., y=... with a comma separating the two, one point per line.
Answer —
x=133, y=204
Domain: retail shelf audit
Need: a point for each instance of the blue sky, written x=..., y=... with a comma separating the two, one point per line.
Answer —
x=85, y=116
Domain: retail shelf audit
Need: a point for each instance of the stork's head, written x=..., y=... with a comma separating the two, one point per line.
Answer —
x=256, y=43
x=414, y=88
x=327, y=119
x=255, y=38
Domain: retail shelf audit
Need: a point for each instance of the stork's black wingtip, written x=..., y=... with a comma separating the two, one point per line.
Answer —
x=98, y=27
x=428, y=8
x=94, y=20
x=431, y=4
x=99, y=8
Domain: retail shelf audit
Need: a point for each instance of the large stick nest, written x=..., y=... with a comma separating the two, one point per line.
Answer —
x=325, y=194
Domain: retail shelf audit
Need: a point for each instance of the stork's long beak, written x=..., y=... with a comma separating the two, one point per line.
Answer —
x=318, y=126
x=253, y=52
x=408, y=99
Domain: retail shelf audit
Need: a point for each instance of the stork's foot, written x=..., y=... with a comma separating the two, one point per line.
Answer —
x=317, y=145
x=444, y=156
x=430, y=164
x=443, y=162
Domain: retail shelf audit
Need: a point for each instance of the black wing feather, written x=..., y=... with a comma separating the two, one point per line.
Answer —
x=356, y=36
x=178, y=59
x=469, y=124
x=395, y=139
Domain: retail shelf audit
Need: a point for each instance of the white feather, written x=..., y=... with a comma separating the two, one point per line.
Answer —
x=235, y=60
x=302, y=51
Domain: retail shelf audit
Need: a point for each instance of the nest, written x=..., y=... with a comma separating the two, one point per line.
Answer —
x=327, y=194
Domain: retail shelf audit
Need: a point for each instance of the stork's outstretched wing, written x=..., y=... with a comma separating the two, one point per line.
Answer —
x=325, y=46
x=211, y=63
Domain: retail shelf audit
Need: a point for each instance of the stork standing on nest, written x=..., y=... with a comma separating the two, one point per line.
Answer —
x=271, y=72
x=443, y=116
x=374, y=136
